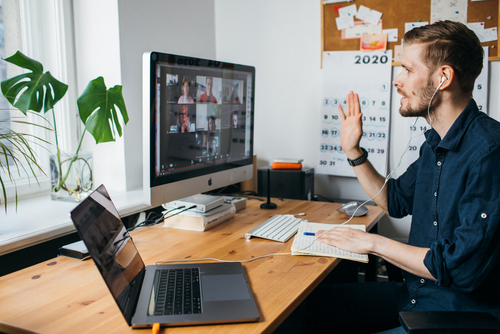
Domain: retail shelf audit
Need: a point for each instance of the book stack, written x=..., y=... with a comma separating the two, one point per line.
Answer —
x=287, y=164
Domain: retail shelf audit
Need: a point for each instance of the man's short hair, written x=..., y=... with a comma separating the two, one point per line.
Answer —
x=450, y=43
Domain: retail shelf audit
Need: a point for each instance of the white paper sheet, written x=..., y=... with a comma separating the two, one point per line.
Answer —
x=453, y=10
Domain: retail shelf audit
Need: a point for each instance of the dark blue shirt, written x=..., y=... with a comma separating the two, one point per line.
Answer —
x=453, y=194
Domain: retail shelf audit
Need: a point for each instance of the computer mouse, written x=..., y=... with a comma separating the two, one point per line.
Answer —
x=350, y=207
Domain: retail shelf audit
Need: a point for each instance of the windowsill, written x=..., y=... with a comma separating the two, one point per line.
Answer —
x=41, y=219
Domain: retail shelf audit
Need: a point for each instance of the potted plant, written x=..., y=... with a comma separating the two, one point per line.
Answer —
x=97, y=106
x=15, y=150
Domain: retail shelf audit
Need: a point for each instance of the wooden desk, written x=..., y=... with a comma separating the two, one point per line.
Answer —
x=65, y=295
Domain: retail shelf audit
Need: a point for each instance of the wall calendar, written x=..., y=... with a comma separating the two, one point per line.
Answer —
x=369, y=75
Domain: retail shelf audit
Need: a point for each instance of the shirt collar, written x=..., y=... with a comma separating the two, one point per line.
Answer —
x=454, y=135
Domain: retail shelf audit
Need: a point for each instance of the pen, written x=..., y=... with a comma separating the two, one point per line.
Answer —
x=310, y=234
x=156, y=328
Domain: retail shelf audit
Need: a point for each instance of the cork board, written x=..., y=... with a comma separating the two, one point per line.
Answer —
x=396, y=14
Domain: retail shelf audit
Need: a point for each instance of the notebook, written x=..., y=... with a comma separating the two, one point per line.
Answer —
x=215, y=292
x=305, y=243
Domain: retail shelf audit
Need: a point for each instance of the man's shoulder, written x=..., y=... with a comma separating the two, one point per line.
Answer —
x=486, y=128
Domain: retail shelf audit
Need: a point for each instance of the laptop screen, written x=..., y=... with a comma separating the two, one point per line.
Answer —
x=108, y=242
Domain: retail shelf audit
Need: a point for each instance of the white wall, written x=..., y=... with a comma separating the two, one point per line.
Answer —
x=181, y=27
x=111, y=37
x=281, y=38
x=284, y=46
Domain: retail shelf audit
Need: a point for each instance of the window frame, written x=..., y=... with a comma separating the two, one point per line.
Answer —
x=47, y=36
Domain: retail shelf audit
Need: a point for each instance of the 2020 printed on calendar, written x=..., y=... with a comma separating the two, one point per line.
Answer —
x=369, y=74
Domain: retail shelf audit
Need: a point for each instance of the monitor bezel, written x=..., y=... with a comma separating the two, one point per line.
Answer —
x=160, y=183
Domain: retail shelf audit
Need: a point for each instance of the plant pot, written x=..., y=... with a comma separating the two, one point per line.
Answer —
x=73, y=180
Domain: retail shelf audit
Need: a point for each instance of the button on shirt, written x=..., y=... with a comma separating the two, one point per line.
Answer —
x=453, y=194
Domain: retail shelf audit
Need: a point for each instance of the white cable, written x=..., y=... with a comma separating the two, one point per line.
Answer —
x=219, y=260
x=429, y=106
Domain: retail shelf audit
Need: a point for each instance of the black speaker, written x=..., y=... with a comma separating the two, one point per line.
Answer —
x=287, y=183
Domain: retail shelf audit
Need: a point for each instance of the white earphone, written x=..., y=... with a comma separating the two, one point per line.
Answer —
x=443, y=79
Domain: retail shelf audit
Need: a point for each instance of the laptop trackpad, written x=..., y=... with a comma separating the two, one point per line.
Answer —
x=224, y=287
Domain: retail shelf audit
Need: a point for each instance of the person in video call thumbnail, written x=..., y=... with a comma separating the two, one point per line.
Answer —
x=208, y=95
x=234, y=120
x=185, y=98
x=213, y=146
x=234, y=96
x=211, y=123
x=184, y=119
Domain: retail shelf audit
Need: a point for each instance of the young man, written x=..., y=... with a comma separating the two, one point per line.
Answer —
x=452, y=260
x=208, y=95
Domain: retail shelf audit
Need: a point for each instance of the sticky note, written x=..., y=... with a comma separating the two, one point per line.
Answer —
x=373, y=16
x=348, y=11
x=488, y=35
x=410, y=25
x=362, y=13
x=392, y=34
x=398, y=53
x=344, y=22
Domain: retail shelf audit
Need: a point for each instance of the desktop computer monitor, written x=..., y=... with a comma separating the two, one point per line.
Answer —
x=197, y=125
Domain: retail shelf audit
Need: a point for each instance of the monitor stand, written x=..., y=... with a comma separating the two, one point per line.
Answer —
x=268, y=204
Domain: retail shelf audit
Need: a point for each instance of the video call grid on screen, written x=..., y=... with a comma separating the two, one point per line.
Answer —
x=201, y=117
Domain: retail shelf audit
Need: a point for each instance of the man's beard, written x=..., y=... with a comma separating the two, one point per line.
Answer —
x=424, y=95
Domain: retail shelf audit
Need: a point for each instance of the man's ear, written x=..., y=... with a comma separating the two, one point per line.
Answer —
x=447, y=75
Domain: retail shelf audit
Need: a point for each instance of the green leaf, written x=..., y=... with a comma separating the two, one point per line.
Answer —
x=36, y=90
x=15, y=148
x=97, y=108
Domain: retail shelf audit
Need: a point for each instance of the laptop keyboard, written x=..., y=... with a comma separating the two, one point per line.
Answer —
x=178, y=291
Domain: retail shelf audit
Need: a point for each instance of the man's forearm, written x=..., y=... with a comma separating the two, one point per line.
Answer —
x=406, y=257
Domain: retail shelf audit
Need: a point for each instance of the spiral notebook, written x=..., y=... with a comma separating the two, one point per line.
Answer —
x=309, y=245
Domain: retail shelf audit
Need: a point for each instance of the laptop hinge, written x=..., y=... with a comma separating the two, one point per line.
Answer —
x=133, y=296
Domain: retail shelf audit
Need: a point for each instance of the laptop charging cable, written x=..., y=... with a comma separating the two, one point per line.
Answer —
x=156, y=218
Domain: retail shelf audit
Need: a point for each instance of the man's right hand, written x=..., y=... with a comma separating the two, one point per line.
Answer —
x=351, y=132
x=351, y=129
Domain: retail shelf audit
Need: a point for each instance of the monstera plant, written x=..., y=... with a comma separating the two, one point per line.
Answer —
x=39, y=92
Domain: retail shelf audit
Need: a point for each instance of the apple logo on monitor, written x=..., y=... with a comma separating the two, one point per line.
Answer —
x=210, y=181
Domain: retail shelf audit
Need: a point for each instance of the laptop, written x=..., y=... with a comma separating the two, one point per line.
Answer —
x=206, y=293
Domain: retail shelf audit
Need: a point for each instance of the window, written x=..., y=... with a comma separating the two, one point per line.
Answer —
x=41, y=29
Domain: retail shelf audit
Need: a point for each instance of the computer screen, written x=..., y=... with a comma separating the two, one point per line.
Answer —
x=198, y=125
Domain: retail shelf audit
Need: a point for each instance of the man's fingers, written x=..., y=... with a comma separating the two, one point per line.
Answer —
x=348, y=101
x=356, y=104
x=341, y=112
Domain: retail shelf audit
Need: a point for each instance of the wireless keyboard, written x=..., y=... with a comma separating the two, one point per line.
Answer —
x=277, y=228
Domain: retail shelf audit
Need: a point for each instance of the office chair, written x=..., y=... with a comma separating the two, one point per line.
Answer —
x=443, y=322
